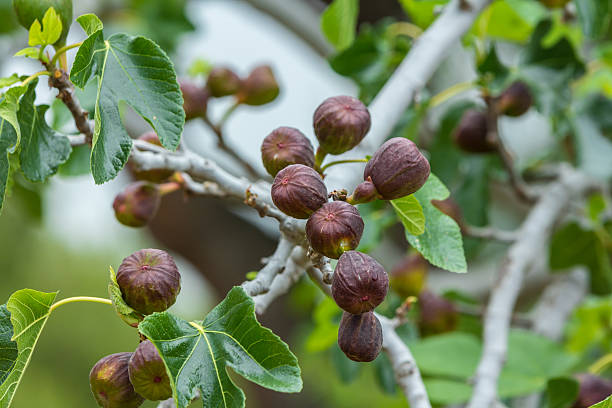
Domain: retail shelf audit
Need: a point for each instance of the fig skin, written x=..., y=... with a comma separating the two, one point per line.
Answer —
x=285, y=146
x=334, y=228
x=360, y=336
x=222, y=81
x=27, y=11
x=148, y=373
x=153, y=175
x=397, y=169
x=515, y=100
x=149, y=280
x=364, y=193
x=110, y=383
x=471, y=134
x=436, y=314
x=340, y=123
x=259, y=88
x=408, y=277
x=137, y=204
x=195, y=99
x=593, y=389
x=298, y=191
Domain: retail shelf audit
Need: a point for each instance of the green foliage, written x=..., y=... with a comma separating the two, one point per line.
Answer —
x=326, y=317
x=410, y=213
x=339, y=21
x=49, y=32
x=589, y=330
x=377, y=218
x=8, y=348
x=561, y=392
x=28, y=11
x=607, y=403
x=9, y=80
x=421, y=12
x=594, y=17
x=511, y=20
x=123, y=310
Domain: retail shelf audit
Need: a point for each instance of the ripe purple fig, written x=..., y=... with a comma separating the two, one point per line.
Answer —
x=154, y=175
x=149, y=280
x=397, y=169
x=286, y=146
x=409, y=275
x=195, y=99
x=515, y=100
x=259, y=88
x=334, y=228
x=110, y=383
x=148, y=373
x=137, y=204
x=298, y=191
x=360, y=336
x=593, y=389
x=222, y=81
x=437, y=315
x=340, y=123
x=472, y=133
x=360, y=283
x=364, y=193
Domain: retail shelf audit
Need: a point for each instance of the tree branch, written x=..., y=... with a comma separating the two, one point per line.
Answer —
x=489, y=233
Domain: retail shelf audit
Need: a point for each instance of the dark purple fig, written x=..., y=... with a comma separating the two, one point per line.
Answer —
x=472, y=133
x=298, y=191
x=153, y=175
x=259, y=88
x=110, y=383
x=409, y=275
x=195, y=99
x=515, y=100
x=359, y=283
x=364, y=193
x=360, y=336
x=340, y=123
x=436, y=314
x=222, y=82
x=149, y=280
x=334, y=228
x=397, y=169
x=137, y=204
x=450, y=208
x=593, y=389
x=286, y=146
x=148, y=373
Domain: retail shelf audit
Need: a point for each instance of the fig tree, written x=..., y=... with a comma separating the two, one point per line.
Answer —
x=29, y=10
x=259, y=87
x=148, y=373
x=409, y=275
x=472, y=133
x=334, y=228
x=286, y=146
x=110, y=383
x=137, y=204
x=222, y=82
x=360, y=336
x=298, y=191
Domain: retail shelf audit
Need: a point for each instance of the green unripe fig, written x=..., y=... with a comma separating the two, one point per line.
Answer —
x=409, y=275
x=222, y=82
x=110, y=383
x=259, y=88
x=29, y=10
x=148, y=373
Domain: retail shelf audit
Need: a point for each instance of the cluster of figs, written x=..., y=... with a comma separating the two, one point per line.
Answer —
x=149, y=281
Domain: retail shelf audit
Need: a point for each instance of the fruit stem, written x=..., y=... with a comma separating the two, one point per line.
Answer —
x=449, y=92
x=319, y=157
x=227, y=114
x=79, y=299
x=598, y=366
x=167, y=188
x=36, y=75
x=61, y=53
x=342, y=162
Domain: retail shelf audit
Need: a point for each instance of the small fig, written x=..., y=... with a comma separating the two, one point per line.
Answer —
x=149, y=280
x=364, y=193
x=334, y=228
x=259, y=87
x=436, y=314
x=472, y=133
x=110, y=383
x=286, y=146
x=222, y=82
x=360, y=283
x=298, y=191
x=515, y=100
x=28, y=10
x=153, y=175
x=409, y=275
x=137, y=204
x=148, y=373
x=397, y=169
x=360, y=336
x=340, y=123
x=195, y=99
x=593, y=389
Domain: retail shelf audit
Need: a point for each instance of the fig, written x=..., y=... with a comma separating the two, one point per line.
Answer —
x=298, y=191
x=148, y=373
x=360, y=283
x=110, y=383
x=340, y=123
x=149, y=280
x=515, y=100
x=286, y=146
x=472, y=133
x=436, y=314
x=593, y=389
x=360, y=336
x=409, y=275
x=364, y=193
x=137, y=204
x=334, y=228
x=153, y=175
x=397, y=169
x=195, y=99
x=29, y=10
x=222, y=82
x=259, y=87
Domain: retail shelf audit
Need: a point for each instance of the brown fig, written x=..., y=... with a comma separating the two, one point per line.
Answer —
x=286, y=146
x=409, y=275
x=515, y=100
x=195, y=99
x=137, y=204
x=153, y=175
x=259, y=88
x=334, y=228
x=436, y=314
x=360, y=283
x=148, y=373
x=110, y=383
x=364, y=193
x=298, y=191
x=340, y=123
x=222, y=81
x=593, y=389
x=149, y=280
x=472, y=133
x=360, y=336
x=397, y=169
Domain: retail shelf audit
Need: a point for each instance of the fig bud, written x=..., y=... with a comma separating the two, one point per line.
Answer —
x=593, y=389
x=28, y=10
x=298, y=191
x=409, y=275
x=283, y=147
x=397, y=169
x=360, y=336
x=195, y=99
x=149, y=281
x=148, y=373
x=137, y=204
x=359, y=283
x=340, y=123
x=259, y=87
x=222, y=82
x=436, y=314
x=153, y=175
x=472, y=133
x=364, y=193
x=110, y=383
x=334, y=228
x=515, y=100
